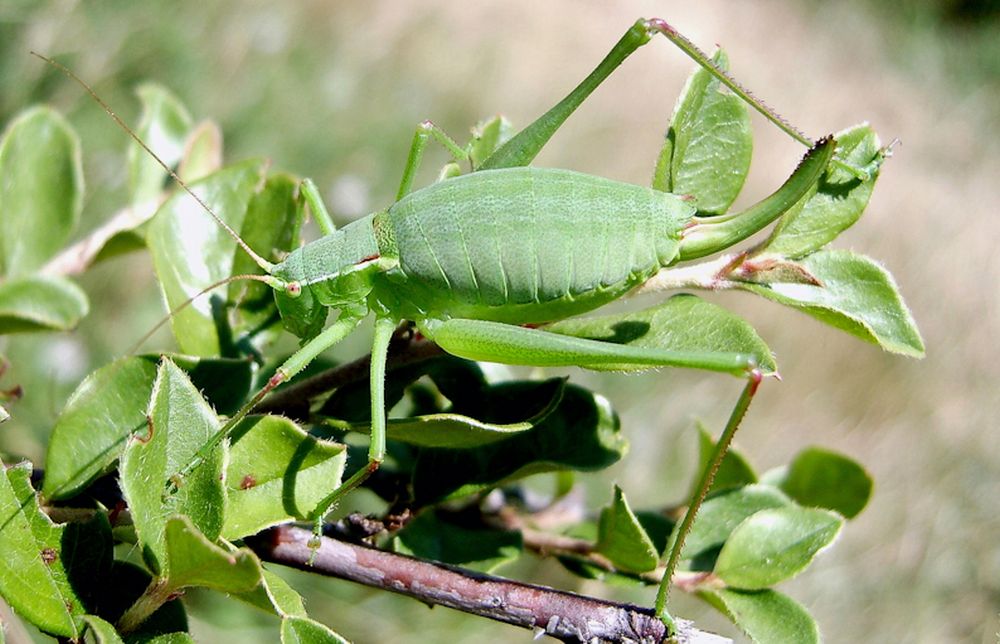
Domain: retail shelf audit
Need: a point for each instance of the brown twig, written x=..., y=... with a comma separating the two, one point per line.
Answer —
x=565, y=616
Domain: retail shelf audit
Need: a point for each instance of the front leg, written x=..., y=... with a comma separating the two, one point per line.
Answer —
x=426, y=130
x=298, y=361
x=384, y=328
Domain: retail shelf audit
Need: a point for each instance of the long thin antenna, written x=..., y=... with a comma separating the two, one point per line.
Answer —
x=267, y=279
x=696, y=54
x=260, y=261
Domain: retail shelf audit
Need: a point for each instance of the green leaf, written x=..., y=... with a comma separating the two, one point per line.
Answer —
x=351, y=404
x=456, y=430
x=277, y=473
x=202, y=152
x=721, y=514
x=657, y=526
x=734, y=471
x=129, y=583
x=774, y=545
x=177, y=637
x=193, y=560
x=487, y=136
x=164, y=125
x=581, y=434
x=89, y=435
x=123, y=233
x=459, y=431
x=41, y=189
x=457, y=379
x=123, y=236
x=180, y=423
x=271, y=228
x=33, y=578
x=621, y=538
x=302, y=630
x=110, y=405
x=40, y=303
x=286, y=601
x=224, y=382
x=856, y=295
x=274, y=595
x=681, y=323
x=824, y=479
x=709, y=144
x=191, y=251
x=767, y=616
x=834, y=204
x=432, y=536
x=102, y=631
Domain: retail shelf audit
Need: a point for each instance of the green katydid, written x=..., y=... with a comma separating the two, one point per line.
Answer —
x=481, y=262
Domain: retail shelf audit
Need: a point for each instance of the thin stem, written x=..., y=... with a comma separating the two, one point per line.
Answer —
x=710, y=275
x=156, y=594
x=676, y=543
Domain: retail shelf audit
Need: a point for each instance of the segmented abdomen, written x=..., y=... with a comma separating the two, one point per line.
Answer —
x=531, y=235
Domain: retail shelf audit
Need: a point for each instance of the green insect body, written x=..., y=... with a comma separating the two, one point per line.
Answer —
x=519, y=246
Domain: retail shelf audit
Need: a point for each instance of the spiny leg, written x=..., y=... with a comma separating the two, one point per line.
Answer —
x=521, y=149
x=864, y=173
x=661, y=26
x=384, y=328
x=294, y=364
x=483, y=340
x=524, y=146
x=426, y=130
x=676, y=543
x=510, y=344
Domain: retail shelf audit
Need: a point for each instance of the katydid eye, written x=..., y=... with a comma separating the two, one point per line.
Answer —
x=294, y=289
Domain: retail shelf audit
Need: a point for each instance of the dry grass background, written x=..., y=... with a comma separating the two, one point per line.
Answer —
x=333, y=91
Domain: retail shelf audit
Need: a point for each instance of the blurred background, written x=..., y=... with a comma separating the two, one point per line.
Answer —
x=334, y=91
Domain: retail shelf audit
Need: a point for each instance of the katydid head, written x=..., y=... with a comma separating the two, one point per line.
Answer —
x=336, y=271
